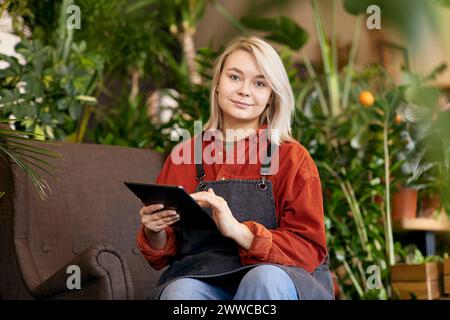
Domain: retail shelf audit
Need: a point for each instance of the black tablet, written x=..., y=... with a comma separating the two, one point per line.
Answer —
x=191, y=214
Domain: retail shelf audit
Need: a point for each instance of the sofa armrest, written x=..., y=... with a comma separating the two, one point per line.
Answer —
x=104, y=274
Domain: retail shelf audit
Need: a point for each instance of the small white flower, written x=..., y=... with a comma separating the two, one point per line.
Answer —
x=12, y=123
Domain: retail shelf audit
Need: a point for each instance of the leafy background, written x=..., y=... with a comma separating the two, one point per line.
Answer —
x=131, y=76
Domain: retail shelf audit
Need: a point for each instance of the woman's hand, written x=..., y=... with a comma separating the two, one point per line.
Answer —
x=224, y=219
x=156, y=221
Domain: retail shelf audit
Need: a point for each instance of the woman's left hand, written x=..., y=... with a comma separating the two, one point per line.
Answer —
x=224, y=219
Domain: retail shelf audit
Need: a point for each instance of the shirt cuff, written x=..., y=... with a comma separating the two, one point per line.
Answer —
x=151, y=253
x=261, y=244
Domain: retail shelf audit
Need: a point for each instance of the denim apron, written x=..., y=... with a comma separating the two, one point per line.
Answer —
x=208, y=255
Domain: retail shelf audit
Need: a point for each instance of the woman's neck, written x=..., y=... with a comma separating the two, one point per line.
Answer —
x=238, y=131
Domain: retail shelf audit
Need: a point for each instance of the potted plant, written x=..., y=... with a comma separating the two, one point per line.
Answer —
x=404, y=203
x=446, y=271
x=417, y=277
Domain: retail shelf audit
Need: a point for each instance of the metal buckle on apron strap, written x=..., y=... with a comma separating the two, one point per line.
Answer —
x=262, y=185
x=200, y=180
x=265, y=171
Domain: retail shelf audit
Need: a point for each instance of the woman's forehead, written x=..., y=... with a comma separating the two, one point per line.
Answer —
x=243, y=62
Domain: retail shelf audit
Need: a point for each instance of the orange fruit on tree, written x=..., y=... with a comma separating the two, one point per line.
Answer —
x=366, y=98
x=398, y=119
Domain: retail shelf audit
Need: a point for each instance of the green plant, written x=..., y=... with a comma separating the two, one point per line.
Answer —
x=47, y=93
x=358, y=149
x=410, y=254
x=50, y=91
x=31, y=158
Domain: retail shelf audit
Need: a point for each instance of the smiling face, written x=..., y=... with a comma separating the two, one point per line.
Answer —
x=243, y=92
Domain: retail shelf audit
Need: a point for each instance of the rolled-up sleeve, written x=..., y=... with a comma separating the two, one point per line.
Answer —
x=157, y=258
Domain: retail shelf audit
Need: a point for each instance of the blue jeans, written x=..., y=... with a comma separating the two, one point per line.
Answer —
x=264, y=282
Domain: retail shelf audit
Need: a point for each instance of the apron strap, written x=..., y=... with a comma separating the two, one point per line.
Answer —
x=198, y=158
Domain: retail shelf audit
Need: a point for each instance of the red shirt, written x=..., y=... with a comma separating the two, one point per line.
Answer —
x=299, y=239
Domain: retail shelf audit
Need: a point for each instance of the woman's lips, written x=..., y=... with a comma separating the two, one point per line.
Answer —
x=242, y=105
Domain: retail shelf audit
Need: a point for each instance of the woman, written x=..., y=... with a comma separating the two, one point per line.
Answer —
x=270, y=237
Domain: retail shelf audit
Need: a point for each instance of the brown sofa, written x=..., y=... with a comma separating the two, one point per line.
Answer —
x=90, y=220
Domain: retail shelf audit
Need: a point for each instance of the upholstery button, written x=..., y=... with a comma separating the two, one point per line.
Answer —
x=223, y=178
x=135, y=250
x=45, y=248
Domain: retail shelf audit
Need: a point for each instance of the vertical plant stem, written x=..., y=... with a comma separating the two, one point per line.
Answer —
x=351, y=60
x=354, y=207
x=334, y=53
x=388, y=234
x=358, y=210
x=330, y=68
x=353, y=279
x=65, y=34
x=187, y=42
x=84, y=123
x=312, y=74
x=362, y=273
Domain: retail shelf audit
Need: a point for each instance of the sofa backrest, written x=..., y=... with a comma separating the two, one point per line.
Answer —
x=88, y=204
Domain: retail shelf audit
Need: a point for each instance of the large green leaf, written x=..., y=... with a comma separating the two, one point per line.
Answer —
x=282, y=29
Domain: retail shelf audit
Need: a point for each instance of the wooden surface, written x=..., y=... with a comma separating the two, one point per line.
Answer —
x=447, y=266
x=425, y=290
x=416, y=272
x=447, y=284
x=421, y=224
x=447, y=276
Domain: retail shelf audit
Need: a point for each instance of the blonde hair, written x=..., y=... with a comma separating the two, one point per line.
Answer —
x=280, y=109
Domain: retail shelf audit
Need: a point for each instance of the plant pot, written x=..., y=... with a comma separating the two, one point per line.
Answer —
x=430, y=206
x=447, y=276
x=404, y=203
x=419, y=281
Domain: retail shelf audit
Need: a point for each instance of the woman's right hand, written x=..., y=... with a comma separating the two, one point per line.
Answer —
x=156, y=221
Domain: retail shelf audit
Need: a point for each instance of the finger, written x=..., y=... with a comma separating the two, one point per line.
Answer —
x=203, y=199
x=164, y=214
x=164, y=224
x=212, y=201
x=168, y=219
x=203, y=195
x=171, y=222
x=204, y=204
x=151, y=208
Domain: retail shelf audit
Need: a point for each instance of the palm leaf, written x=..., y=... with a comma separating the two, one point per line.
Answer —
x=29, y=158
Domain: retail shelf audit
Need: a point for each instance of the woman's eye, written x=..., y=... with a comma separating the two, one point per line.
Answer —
x=260, y=84
x=234, y=77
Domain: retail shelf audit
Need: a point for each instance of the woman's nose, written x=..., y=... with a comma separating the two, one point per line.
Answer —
x=243, y=90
